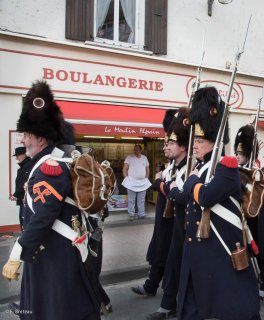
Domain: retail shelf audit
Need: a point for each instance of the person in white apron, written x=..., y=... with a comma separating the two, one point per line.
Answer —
x=136, y=173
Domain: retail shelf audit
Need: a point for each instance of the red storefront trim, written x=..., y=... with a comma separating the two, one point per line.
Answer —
x=114, y=120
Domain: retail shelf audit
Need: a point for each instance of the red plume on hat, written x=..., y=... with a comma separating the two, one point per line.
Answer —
x=41, y=115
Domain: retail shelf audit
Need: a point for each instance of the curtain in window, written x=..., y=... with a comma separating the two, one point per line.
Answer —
x=129, y=9
x=101, y=12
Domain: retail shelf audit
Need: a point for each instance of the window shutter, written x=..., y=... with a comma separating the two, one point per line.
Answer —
x=79, y=19
x=156, y=26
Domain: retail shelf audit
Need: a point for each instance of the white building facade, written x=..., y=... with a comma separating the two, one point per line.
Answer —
x=115, y=66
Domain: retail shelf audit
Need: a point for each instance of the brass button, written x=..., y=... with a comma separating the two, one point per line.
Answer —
x=193, y=202
x=189, y=239
x=199, y=239
x=33, y=257
x=187, y=222
x=197, y=222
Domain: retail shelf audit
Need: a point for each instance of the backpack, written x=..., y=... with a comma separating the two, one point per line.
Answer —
x=252, y=183
x=93, y=183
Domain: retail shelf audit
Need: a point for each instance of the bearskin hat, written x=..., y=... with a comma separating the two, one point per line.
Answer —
x=206, y=114
x=180, y=127
x=168, y=119
x=244, y=141
x=40, y=114
x=68, y=132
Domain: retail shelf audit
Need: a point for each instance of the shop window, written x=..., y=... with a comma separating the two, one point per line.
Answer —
x=119, y=22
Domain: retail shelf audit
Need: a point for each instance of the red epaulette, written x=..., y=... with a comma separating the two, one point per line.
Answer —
x=51, y=168
x=229, y=162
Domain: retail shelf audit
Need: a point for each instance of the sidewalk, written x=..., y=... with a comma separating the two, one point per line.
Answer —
x=125, y=245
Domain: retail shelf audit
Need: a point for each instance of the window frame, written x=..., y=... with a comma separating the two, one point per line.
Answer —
x=139, y=32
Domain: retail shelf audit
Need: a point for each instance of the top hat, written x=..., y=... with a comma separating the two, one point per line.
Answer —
x=206, y=114
x=19, y=150
x=180, y=127
x=41, y=115
x=244, y=141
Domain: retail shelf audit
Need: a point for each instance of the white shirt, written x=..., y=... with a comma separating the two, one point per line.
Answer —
x=136, y=179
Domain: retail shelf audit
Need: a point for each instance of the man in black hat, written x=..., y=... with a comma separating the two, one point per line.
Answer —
x=53, y=245
x=243, y=146
x=210, y=284
x=25, y=165
x=178, y=140
x=161, y=238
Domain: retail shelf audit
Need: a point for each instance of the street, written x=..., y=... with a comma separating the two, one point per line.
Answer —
x=124, y=265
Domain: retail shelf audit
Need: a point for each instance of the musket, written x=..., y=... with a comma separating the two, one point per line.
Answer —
x=251, y=242
x=255, y=140
x=195, y=87
x=204, y=226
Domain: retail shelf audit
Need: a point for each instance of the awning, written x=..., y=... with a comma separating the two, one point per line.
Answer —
x=113, y=120
x=261, y=123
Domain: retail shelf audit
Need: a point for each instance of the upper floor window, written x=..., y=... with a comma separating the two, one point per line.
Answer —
x=116, y=21
x=140, y=24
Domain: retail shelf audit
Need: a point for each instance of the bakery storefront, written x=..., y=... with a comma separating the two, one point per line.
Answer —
x=113, y=98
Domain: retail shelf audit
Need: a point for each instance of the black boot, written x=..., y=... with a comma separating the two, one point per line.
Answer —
x=161, y=315
x=140, y=290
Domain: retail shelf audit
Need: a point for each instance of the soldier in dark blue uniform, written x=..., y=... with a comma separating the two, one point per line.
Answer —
x=25, y=165
x=160, y=242
x=54, y=283
x=243, y=148
x=210, y=285
x=93, y=263
x=178, y=140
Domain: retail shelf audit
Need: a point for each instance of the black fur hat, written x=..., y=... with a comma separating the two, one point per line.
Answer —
x=40, y=114
x=68, y=132
x=206, y=114
x=244, y=141
x=168, y=119
x=180, y=127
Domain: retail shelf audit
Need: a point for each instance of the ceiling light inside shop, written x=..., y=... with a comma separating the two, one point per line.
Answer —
x=99, y=137
x=131, y=138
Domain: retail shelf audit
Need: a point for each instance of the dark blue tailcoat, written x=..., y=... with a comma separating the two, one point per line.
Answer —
x=160, y=242
x=220, y=291
x=171, y=275
x=54, y=284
